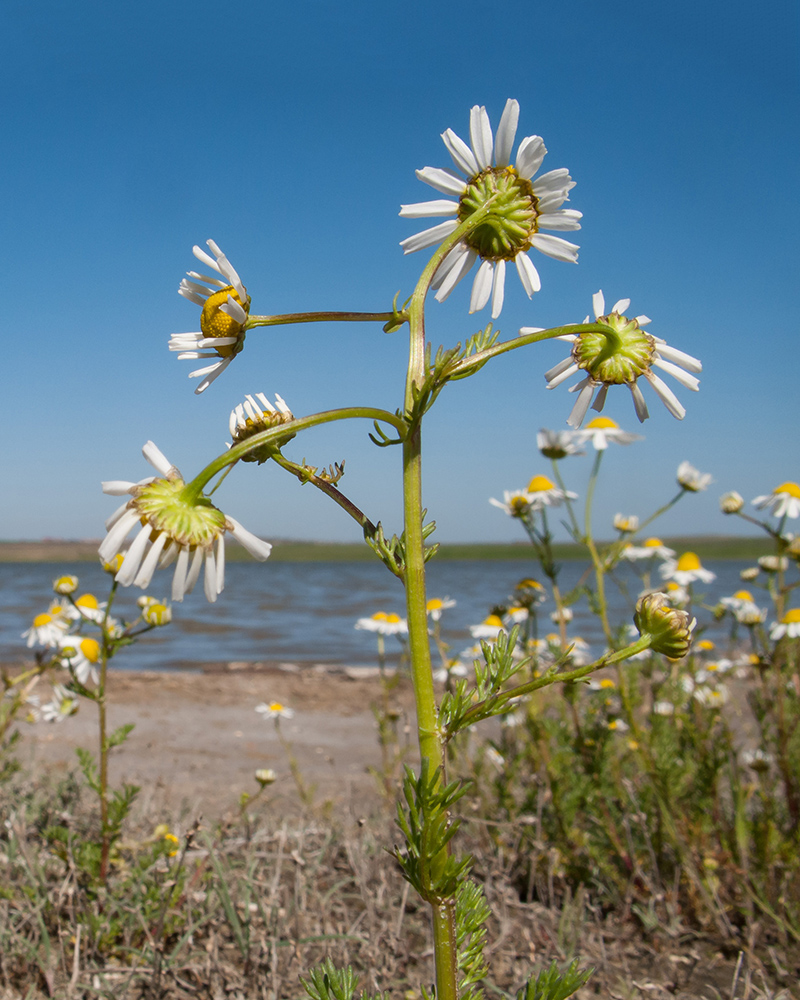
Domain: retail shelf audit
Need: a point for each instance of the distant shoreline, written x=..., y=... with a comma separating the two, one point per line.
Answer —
x=706, y=547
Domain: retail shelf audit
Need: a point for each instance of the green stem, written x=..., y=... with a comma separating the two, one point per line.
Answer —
x=599, y=569
x=306, y=475
x=323, y=317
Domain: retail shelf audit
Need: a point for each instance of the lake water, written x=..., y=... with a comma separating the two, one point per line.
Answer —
x=301, y=613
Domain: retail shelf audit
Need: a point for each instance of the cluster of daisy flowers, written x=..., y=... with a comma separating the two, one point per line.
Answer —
x=62, y=631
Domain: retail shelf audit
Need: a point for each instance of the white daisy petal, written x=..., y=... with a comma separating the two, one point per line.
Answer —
x=455, y=274
x=620, y=307
x=443, y=179
x=639, y=402
x=528, y=274
x=133, y=557
x=666, y=395
x=530, y=154
x=555, y=247
x=599, y=304
x=684, y=360
x=428, y=237
x=423, y=209
x=506, y=131
x=498, y=288
x=462, y=155
x=481, y=286
x=480, y=136
x=563, y=221
x=257, y=548
x=677, y=373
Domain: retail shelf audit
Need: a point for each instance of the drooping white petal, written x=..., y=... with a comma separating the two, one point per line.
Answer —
x=639, y=402
x=257, y=548
x=506, y=131
x=456, y=273
x=423, y=209
x=428, y=237
x=220, y=564
x=563, y=370
x=148, y=567
x=117, y=487
x=599, y=304
x=643, y=321
x=462, y=155
x=528, y=274
x=481, y=286
x=684, y=360
x=187, y=293
x=552, y=182
x=210, y=580
x=192, y=286
x=586, y=390
x=179, y=576
x=480, y=136
x=215, y=342
x=498, y=288
x=232, y=308
x=620, y=306
x=117, y=534
x=443, y=179
x=211, y=372
x=450, y=261
x=677, y=373
x=530, y=154
x=600, y=399
x=184, y=341
x=207, y=279
x=133, y=557
x=158, y=459
x=194, y=569
x=555, y=247
x=666, y=395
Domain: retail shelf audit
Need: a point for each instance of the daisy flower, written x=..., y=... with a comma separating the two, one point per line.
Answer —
x=627, y=525
x=275, y=710
x=489, y=628
x=169, y=527
x=620, y=357
x=65, y=585
x=687, y=569
x=521, y=208
x=81, y=654
x=743, y=608
x=225, y=304
x=691, y=480
x=601, y=430
x=784, y=501
x=557, y=444
x=731, y=502
x=515, y=503
x=651, y=548
x=789, y=626
x=436, y=605
x=62, y=705
x=46, y=630
x=384, y=624
x=257, y=414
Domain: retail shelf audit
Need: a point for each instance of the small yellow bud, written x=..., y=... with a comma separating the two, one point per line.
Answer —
x=65, y=585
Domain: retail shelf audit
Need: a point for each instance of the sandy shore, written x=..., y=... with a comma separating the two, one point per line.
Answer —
x=198, y=740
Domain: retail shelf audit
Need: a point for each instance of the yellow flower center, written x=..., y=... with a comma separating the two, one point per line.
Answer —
x=792, y=489
x=87, y=601
x=275, y=706
x=380, y=616
x=602, y=424
x=216, y=323
x=529, y=584
x=606, y=682
x=493, y=620
x=688, y=561
x=652, y=543
x=41, y=620
x=539, y=484
x=705, y=644
x=791, y=617
x=90, y=649
x=434, y=604
x=393, y=619
x=743, y=595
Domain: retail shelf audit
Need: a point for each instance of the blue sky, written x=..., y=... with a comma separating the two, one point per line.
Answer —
x=290, y=135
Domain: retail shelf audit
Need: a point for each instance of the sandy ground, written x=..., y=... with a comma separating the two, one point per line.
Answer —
x=198, y=740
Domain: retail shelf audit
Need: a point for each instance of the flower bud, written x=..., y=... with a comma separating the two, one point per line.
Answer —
x=671, y=629
x=773, y=564
x=157, y=614
x=749, y=574
x=731, y=503
x=65, y=585
x=265, y=776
